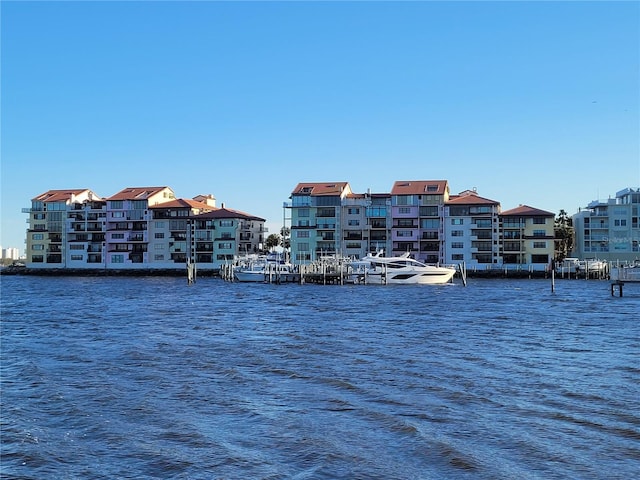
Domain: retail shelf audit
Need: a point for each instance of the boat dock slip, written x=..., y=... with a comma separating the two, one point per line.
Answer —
x=624, y=274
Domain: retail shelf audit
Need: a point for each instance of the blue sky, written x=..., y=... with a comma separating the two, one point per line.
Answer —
x=531, y=103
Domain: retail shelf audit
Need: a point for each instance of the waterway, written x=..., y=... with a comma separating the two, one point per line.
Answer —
x=144, y=378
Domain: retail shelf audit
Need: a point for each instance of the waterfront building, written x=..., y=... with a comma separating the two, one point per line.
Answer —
x=218, y=236
x=527, y=237
x=471, y=230
x=127, y=225
x=316, y=220
x=137, y=228
x=609, y=229
x=66, y=228
x=170, y=231
x=417, y=212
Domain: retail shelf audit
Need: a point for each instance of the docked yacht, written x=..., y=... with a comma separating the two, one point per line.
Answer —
x=262, y=268
x=376, y=269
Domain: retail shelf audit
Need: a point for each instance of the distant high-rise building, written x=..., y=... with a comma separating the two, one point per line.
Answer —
x=609, y=229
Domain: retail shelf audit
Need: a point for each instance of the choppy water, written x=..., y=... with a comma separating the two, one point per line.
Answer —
x=106, y=378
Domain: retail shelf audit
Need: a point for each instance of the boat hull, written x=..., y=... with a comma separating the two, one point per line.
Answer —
x=438, y=276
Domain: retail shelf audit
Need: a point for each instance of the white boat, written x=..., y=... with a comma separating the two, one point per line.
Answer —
x=568, y=265
x=263, y=268
x=592, y=266
x=376, y=269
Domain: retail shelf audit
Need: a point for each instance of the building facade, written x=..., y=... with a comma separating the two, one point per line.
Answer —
x=420, y=217
x=527, y=237
x=609, y=229
x=471, y=229
x=137, y=228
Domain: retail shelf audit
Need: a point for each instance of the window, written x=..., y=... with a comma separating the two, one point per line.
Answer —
x=37, y=247
x=303, y=212
x=158, y=257
x=457, y=233
x=404, y=210
x=457, y=245
x=353, y=211
x=404, y=199
x=353, y=223
x=539, y=244
x=159, y=246
x=405, y=222
x=139, y=204
x=405, y=233
x=302, y=234
x=37, y=258
x=117, y=258
x=539, y=259
x=160, y=224
x=37, y=236
x=117, y=236
x=430, y=223
x=75, y=246
x=539, y=220
x=457, y=256
x=620, y=223
x=539, y=233
x=117, y=214
x=115, y=205
x=159, y=235
x=76, y=257
x=226, y=223
x=303, y=247
x=457, y=221
x=225, y=245
x=376, y=212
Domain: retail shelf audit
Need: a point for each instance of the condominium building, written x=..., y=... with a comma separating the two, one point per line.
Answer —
x=420, y=217
x=137, y=228
x=417, y=212
x=609, y=229
x=66, y=227
x=527, y=237
x=471, y=229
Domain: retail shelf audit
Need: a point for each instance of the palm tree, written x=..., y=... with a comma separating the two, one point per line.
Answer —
x=272, y=241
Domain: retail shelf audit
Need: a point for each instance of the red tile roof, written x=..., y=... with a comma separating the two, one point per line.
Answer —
x=59, y=195
x=136, y=193
x=420, y=187
x=324, y=188
x=470, y=198
x=183, y=203
x=229, y=213
x=526, y=210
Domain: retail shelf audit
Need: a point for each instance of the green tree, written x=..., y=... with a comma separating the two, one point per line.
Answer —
x=563, y=233
x=272, y=241
x=286, y=237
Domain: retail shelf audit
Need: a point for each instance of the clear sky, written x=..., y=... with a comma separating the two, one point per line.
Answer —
x=529, y=102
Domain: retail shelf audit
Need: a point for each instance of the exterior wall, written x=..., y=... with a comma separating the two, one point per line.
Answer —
x=418, y=226
x=527, y=240
x=471, y=234
x=379, y=222
x=609, y=230
x=50, y=224
x=85, y=238
x=81, y=231
x=354, y=228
